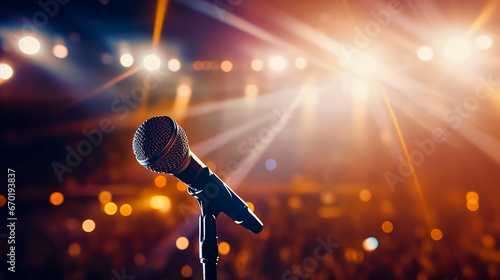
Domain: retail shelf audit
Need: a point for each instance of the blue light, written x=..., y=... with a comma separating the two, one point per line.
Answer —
x=270, y=164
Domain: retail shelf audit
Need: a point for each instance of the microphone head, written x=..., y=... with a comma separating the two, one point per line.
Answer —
x=160, y=144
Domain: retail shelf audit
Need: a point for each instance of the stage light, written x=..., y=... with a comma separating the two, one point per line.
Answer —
x=300, y=63
x=226, y=66
x=151, y=62
x=277, y=63
x=126, y=210
x=457, y=49
x=436, y=234
x=257, y=65
x=359, y=90
x=105, y=197
x=251, y=91
x=387, y=227
x=186, y=271
x=365, y=195
x=5, y=71
x=184, y=91
x=484, y=42
x=110, y=208
x=182, y=243
x=88, y=225
x=472, y=196
x=363, y=64
x=425, y=53
x=174, y=65
x=472, y=205
x=29, y=45
x=370, y=244
x=160, y=181
x=224, y=248
x=56, y=198
x=126, y=60
x=161, y=202
x=74, y=249
x=60, y=51
x=270, y=164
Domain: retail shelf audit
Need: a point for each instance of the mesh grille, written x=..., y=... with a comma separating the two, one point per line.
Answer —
x=152, y=137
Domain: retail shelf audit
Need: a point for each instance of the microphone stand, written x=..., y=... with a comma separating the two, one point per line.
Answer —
x=209, y=250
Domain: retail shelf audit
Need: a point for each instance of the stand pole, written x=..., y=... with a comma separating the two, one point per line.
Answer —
x=209, y=251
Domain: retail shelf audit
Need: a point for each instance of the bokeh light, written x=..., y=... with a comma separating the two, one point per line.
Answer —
x=126, y=60
x=294, y=202
x=139, y=259
x=151, y=62
x=110, y=208
x=181, y=186
x=6, y=71
x=56, y=198
x=277, y=63
x=251, y=91
x=257, y=65
x=182, y=243
x=250, y=206
x=88, y=225
x=363, y=64
x=472, y=196
x=224, y=248
x=365, y=195
x=29, y=45
x=472, y=205
x=387, y=227
x=425, y=53
x=105, y=197
x=161, y=202
x=74, y=249
x=226, y=66
x=483, y=42
x=160, y=181
x=270, y=164
x=3, y=200
x=60, y=51
x=457, y=49
x=186, y=271
x=300, y=63
x=126, y=210
x=370, y=244
x=174, y=65
x=436, y=234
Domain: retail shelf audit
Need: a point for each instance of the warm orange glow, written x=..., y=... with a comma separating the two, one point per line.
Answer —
x=327, y=198
x=186, y=271
x=387, y=227
x=74, y=249
x=224, y=248
x=472, y=196
x=126, y=210
x=353, y=255
x=251, y=206
x=110, y=208
x=365, y=195
x=160, y=181
x=161, y=9
x=370, y=244
x=251, y=90
x=472, y=205
x=105, y=197
x=197, y=65
x=182, y=243
x=56, y=198
x=257, y=65
x=226, y=66
x=139, y=259
x=3, y=200
x=88, y=225
x=486, y=13
x=181, y=186
x=211, y=165
x=60, y=51
x=161, y=202
x=294, y=202
x=436, y=234
x=488, y=241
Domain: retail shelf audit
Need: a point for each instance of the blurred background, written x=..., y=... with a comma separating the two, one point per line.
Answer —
x=364, y=134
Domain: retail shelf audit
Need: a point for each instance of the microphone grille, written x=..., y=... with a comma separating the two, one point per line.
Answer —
x=158, y=135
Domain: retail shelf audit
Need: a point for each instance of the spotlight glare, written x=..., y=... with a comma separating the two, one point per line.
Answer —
x=151, y=62
x=174, y=65
x=29, y=45
x=5, y=71
x=300, y=63
x=60, y=51
x=484, y=42
x=277, y=63
x=126, y=60
x=425, y=53
x=257, y=65
x=359, y=90
x=363, y=64
x=457, y=49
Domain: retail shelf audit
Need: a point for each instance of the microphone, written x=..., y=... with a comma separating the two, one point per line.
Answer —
x=161, y=146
